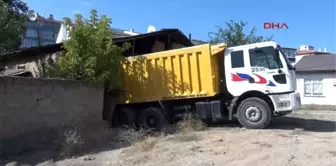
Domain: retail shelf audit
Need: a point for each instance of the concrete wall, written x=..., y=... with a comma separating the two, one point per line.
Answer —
x=33, y=110
x=329, y=90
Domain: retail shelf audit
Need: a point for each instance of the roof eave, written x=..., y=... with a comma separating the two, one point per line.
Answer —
x=315, y=71
x=59, y=46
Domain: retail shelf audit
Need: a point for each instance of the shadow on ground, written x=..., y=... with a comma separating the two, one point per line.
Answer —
x=49, y=147
x=313, y=125
x=107, y=142
x=46, y=157
x=290, y=123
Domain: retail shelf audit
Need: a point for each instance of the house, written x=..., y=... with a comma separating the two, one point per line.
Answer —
x=118, y=33
x=309, y=50
x=316, y=79
x=45, y=31
x=164, y=39
x=42, y=31
x=306, y=50
x=24, y=62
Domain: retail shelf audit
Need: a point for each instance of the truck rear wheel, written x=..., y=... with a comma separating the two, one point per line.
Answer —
x=254, y=113
x=125, y=117
x=153, y=118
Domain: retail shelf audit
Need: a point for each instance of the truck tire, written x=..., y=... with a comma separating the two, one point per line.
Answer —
x=153, y=118
x=125, y=117
x=254, y=113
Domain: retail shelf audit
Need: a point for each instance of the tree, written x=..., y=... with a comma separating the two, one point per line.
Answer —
x=234, y=34
x=12, y=20
x=90, y=53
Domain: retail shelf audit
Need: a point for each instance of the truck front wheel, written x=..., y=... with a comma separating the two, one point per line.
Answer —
x=254, y=113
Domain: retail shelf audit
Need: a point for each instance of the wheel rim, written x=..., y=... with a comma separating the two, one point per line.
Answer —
x=151, y=121
x=253, y=114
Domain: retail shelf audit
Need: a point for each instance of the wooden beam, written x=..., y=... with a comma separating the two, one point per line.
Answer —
x=168, y=43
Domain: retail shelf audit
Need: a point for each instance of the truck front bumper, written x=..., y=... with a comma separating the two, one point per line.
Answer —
x=286, y=102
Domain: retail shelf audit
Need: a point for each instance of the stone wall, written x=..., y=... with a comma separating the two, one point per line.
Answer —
x=34, y=111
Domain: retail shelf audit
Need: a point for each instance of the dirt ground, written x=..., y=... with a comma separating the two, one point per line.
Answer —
x=303, y=138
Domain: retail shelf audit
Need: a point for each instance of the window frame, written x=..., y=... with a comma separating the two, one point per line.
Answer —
x=311, y=82
x=275, y=55
x=242, y=57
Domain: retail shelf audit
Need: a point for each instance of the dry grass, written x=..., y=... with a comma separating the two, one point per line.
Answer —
x=147, y=143
x=144, y=140
x=80, y=139
x=221, y=147
x=190, y=124
x=130, y=136
x=84, y=138
x=185, y=137
x=141, y=140
x=73, y=141
x=187, y=128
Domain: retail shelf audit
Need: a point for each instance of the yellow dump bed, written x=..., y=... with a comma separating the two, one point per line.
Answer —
x=182, y=73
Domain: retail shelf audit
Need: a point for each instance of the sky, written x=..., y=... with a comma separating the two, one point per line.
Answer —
x=309, y=22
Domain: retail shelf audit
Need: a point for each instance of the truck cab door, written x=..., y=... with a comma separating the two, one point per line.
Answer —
x=264, y=70
x=267, y=66
x=268, y=63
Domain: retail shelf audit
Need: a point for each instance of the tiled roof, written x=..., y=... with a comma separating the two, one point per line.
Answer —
x=310, y=63
x=309, y=52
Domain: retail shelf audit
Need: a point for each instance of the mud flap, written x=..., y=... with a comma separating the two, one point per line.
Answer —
x=216, y=110
x=232, y=106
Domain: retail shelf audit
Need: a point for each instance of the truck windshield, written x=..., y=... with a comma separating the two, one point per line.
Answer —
x=289, y=65
x=265, y=57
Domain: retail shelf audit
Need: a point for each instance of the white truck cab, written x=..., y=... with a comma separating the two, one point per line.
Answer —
x=262, y=68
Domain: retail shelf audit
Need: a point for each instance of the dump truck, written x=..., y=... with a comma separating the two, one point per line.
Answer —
x=251, y=83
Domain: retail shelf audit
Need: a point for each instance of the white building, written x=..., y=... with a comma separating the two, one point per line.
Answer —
x=42, y=31
x=64, y=35
x=316, y=79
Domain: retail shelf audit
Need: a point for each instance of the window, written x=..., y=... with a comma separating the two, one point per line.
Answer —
x=237, y=59
x=266, y=57
x=48, y=25
x=313, y=87
x=30, y=24
x=51, y=35
x=41, y=24
x=48, y=35
x=29, y=43
x=31, y=33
